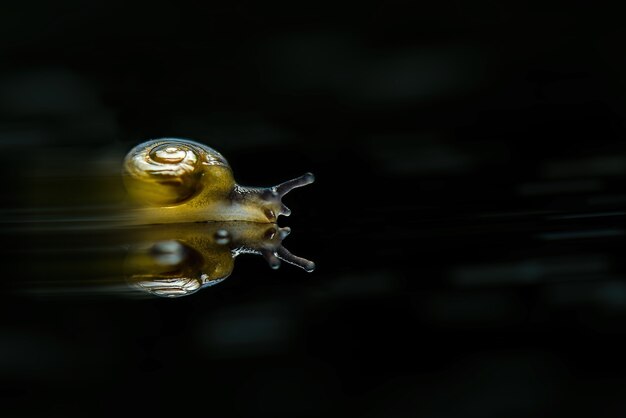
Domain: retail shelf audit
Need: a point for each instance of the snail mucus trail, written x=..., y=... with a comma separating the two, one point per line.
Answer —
x=173, y=180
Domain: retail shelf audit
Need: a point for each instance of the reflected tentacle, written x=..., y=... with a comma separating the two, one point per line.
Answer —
x=271, y=258
x=303, y=263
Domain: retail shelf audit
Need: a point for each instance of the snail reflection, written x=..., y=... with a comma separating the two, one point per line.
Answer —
x=180, y=259
x=197, y=218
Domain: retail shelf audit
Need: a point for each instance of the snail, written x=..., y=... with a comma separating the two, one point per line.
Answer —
x=176, y=260
x=173, y=180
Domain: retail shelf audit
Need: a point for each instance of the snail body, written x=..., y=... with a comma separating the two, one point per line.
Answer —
x=173, y=180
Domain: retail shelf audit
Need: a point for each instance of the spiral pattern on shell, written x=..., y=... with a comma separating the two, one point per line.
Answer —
x=173, y=164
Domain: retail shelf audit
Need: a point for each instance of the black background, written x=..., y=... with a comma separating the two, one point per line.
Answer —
x=466, y=221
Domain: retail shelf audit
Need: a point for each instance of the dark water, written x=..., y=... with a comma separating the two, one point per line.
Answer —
x=467, y=218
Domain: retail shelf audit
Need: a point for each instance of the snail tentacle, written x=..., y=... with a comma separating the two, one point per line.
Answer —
x=284, y=188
